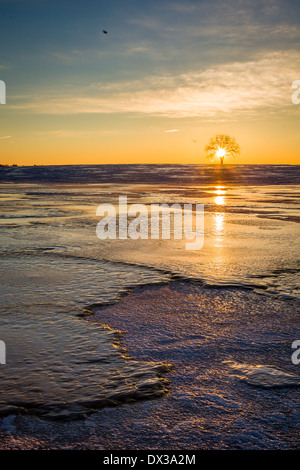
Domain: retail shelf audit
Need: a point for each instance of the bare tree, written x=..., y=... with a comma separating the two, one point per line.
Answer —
x=222, y=146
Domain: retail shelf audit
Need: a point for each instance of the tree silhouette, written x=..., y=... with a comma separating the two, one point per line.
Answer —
x=222, y=146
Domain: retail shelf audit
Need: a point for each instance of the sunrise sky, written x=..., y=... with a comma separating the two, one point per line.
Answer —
x=166, y=77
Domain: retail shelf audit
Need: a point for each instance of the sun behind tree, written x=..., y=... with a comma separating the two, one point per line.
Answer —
x=222, y=146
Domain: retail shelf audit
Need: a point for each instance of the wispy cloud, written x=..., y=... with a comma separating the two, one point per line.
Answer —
x=239, y=87
x=67, y=57
x=243, y=20
x=84, y=134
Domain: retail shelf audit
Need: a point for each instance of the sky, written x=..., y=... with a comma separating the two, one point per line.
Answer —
x=166, y=77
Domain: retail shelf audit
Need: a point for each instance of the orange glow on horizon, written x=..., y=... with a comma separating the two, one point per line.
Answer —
x=259, y=145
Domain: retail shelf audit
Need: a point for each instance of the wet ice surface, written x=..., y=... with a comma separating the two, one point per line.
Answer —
x=143, y=173
x=200, y=329
x=53, y=269
x=210, y=405
x=251, y=232
x=264, y=376
x=58, y=365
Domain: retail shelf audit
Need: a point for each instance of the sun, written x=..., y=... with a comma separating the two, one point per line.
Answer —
x=220, y=152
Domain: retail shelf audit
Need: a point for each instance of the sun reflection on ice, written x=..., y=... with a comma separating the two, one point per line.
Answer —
x=218, y=230
x=219, y=217
x=220, y=198
x=219, y=223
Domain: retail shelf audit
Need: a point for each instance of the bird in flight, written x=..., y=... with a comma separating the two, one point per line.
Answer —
x=104, y=32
